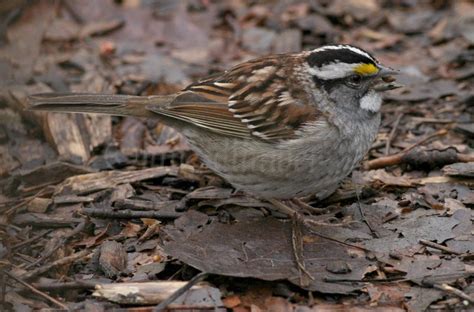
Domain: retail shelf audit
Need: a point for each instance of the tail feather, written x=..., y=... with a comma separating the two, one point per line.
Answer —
x=121, y=105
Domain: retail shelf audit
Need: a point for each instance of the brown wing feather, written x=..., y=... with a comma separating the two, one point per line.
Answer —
x=251, y=99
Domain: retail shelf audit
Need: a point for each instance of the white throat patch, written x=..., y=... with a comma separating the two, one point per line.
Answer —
x=371, y=101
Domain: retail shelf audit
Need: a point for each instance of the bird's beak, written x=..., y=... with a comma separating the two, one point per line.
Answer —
x=387, y=81
x=387, y=71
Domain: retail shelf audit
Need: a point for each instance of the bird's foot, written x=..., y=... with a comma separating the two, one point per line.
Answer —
x=282, y=207
x=307, y=207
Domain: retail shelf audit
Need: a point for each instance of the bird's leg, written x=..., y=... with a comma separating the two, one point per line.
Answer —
x=281, y=207
x=290, y=212
x=313, y=210
x=296, y=239
x=298, y=247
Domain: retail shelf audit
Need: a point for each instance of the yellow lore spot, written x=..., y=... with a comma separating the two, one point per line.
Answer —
x=366, y=69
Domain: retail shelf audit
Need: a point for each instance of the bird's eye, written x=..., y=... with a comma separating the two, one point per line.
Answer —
x=354, y=80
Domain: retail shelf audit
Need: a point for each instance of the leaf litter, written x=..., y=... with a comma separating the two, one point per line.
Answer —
x=104, y=202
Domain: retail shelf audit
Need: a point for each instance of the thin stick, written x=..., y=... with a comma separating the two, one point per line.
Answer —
x=297, y=246
x=370, y=280
x=129, y=214
x=79, y=228
x=466, y=157
x=432, y=120
x=440, y=132
x=65, y=286
x=36, y=291
x=196, y=279
x=32, y=239
x=288, y=211
x=362, y=214
x=396, y=159
x=454, y=291
x=392, y=133
x=78, y=255
x=333, y=239
x=439, y=247
x=25, y=201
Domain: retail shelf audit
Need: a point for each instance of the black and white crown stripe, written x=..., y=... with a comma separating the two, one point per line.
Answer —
x=337, y=61
x=347, y=47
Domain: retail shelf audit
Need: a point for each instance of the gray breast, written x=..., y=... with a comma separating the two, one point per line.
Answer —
x=314, y=163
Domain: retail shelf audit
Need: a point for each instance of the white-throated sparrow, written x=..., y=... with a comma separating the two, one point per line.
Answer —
x=278, y=127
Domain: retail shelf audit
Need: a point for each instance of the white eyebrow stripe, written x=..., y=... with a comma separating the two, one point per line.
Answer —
x=332, y=71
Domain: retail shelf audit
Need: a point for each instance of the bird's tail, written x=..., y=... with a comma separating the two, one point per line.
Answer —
x=121, y=105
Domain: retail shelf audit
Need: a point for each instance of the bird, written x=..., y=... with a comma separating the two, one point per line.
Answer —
x=276, y=127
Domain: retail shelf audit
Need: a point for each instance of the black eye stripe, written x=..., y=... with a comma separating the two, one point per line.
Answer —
x=343, y=55
x=329, y=84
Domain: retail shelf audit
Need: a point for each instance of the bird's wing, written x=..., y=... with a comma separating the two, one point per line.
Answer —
x=252, y=99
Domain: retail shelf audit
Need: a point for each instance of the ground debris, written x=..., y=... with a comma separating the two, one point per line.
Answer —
x=93, y=182
x=97, y=212
x=112, y=258
x=262, y=248
x=152, y=293
x=460, y=170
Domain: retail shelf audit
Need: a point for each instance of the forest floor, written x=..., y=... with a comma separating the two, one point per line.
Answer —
x=92, y=205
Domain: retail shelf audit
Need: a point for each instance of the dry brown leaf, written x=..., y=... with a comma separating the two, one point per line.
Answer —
x=131, y=229
x=386, y=178
x=231, y=301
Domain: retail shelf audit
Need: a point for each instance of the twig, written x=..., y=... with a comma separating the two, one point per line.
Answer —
x=440, y=132
x=376, y=146
x=362, y=215
x=439, y=247
x=432, y=120
x=392, y=133
x=196, y=279
x=61, y=242
x=346, y=195
x=32, y=239
x=144, y=205
x=308, y=221
x=36, y=291
x=391, y=216
x=58, y=286
x=25, y=201
x=322, y=223
x=288, y=211
x=130, y=214
x=297, y=246
x=78, y=255
x=466, y=157
x=364, y=219
x=454, y=291
x=373, y=280
x=396, y=159
x=43, y=220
